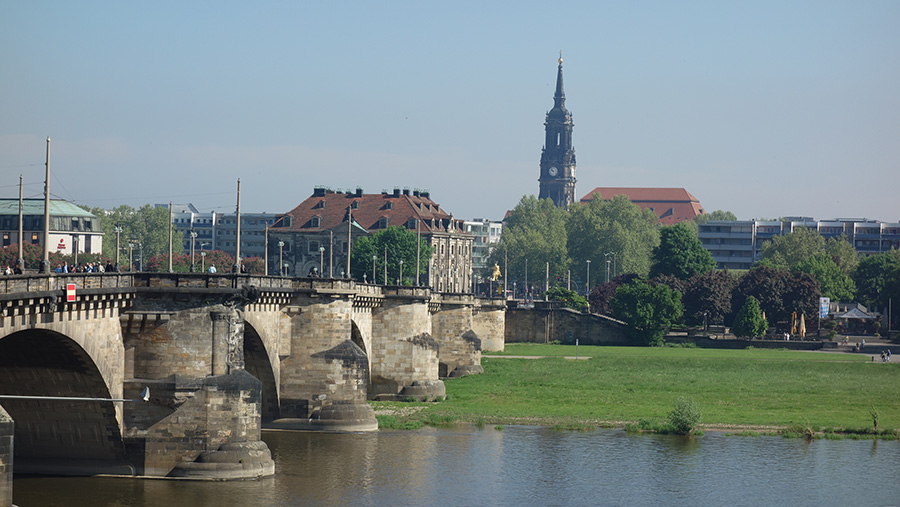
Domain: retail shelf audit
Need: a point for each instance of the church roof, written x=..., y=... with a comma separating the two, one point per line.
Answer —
x=671, y=205
x=326, y=209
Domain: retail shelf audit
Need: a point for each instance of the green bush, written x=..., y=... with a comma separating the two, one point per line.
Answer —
x=685, y=416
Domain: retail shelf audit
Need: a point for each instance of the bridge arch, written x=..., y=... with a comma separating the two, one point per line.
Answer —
x=59, y=436
x=258, y=362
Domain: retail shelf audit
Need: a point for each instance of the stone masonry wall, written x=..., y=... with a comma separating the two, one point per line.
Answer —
x=449, y=325
x=403, y=349
x=489, y=323
x=563, y=325
x=224, y=409
x=319, y=324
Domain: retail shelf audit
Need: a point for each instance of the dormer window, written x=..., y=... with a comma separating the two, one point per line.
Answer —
x=319, y=205
x=354, y=205
x=315, y=221
x=389, y=205
x=382, y=223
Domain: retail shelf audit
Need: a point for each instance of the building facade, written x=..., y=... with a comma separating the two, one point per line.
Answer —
x=218, y=231
x=557, y=178
x=318, y=234
x=737, y=244
x=485, y=233
x=71, y=227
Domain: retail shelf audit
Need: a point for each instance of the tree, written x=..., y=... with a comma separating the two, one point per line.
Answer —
x=778, y=292
x=834, y=283
x=749, y=321
x=715, y=215
x=572, y=299
x=615, y=226
x=680, y=253
x=843, y=254
x=400, y=243
x=878, y=279
x=534, y=234
x=788, y=250
x=148, y=226
x=601, y=296
x=708, y=294
x=649, y=310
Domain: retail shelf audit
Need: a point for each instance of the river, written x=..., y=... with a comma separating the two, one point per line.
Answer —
x=519, y=465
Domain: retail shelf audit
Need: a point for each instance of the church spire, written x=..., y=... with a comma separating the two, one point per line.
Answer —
x=559, y=98
x=557, y=179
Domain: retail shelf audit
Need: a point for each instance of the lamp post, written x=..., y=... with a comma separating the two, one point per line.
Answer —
x=321, y=261
x=281, y=256
x=607, y=270
x=587, y=286
x=373, y=268
x=131, y=255
x=75, y=249
x=202, y=259
x=118, y=230
x=193, y=238
x=400, y=278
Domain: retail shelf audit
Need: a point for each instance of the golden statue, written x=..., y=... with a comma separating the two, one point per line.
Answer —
x=496, y=274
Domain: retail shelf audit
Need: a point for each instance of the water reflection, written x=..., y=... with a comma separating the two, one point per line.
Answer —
x=520, y=466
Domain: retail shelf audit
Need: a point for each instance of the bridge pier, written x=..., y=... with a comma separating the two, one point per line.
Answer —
x=203, y=420
x=405, y=355
x=460, y=347
x=6, y=458
x=325, y=379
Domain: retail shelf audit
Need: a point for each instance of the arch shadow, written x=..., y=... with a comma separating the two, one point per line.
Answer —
x=257, y=363
x=59, y=437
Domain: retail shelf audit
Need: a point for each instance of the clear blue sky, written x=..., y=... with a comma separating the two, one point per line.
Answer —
x=764, y=108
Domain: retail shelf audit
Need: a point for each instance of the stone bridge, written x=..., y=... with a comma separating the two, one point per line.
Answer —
x=223, y=356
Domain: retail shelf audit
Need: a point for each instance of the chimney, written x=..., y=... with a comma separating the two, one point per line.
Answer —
x=359, y=191
x=319, y=192
x=396, y=191
x=405, y=191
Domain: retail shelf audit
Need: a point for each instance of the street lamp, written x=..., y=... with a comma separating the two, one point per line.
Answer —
x=118, y=230
x=607, y=270
x=321, y=261
x=373, y=268
x=202, y=259
x=400, y=278
x=587, y=286
x=281, y=256
x=193, y=238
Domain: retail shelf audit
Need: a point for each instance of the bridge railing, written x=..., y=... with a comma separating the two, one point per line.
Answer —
x=18, y=284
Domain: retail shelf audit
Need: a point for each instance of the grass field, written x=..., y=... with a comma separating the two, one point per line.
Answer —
x=755, y=388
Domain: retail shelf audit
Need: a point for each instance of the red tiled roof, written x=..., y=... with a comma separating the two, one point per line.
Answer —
x=671, y=205
x=398, y=208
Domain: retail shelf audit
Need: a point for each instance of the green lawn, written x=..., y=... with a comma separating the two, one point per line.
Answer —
x=754, y=387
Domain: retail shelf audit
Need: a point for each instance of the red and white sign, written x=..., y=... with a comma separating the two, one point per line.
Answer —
x=61, y=245
x=70, y=292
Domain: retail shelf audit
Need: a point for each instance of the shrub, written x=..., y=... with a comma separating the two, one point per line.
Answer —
x=685, y=416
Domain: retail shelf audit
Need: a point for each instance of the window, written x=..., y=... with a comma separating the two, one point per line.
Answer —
x=315, y=221
x=354, y=205
x=382, y=223
x=34, y=238
x=314, y=247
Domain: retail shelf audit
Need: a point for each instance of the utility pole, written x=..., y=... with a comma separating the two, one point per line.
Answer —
x=45, y=263
x=170, y=236
x=418, y=248
x=350, y=236
x=237, y=233
x=21, y=233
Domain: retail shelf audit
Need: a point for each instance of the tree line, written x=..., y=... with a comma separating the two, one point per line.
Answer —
x=662, y=275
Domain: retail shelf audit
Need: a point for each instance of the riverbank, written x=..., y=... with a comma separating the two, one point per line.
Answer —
x=737, y=390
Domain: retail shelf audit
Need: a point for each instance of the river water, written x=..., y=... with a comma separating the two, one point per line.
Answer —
x=520, y=465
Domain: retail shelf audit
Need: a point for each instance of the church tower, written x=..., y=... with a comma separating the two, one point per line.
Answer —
x=558, y=157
